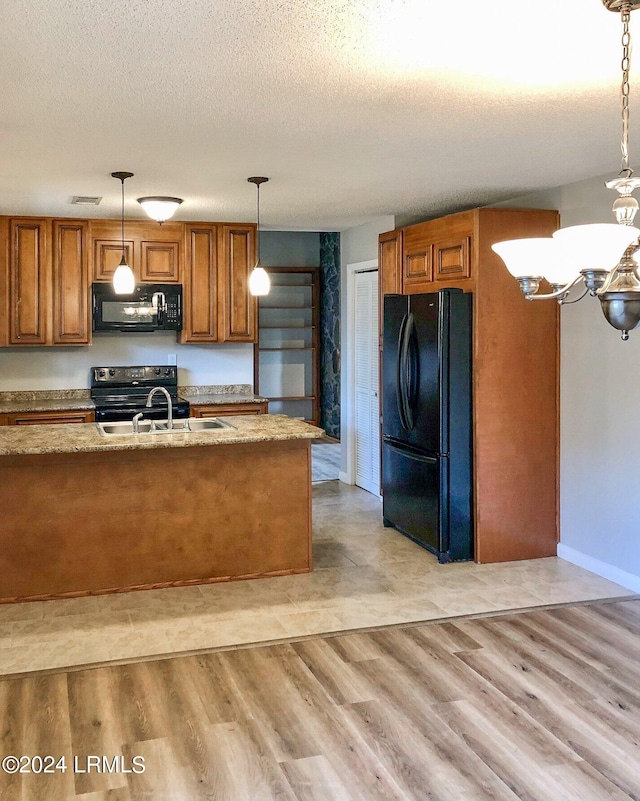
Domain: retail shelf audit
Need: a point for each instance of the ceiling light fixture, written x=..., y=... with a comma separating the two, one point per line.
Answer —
x=591, y=253
x=123, y=280
x=259, y=281
x=160, y=208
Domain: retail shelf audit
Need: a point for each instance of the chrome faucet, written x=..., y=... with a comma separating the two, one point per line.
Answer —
x=169, y=404
x=136, y=422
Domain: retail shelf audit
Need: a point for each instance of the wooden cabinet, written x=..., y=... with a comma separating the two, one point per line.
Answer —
x=29, y=284
x=200, y=298
x=238, y=258
x=515, y=373
x=45, y=418
x=71, y=311
x=226, y=409
x=47, y=267
x=437, y=251
x=218, y=261
x=152, y=251
x=46, y=281
x=287, y=360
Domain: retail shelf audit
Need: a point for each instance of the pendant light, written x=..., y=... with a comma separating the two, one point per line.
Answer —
x=123, y=280
x=600, y=257
x=259, y=281
x=160, y=208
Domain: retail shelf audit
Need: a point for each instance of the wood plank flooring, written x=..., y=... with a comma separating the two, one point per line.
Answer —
x=538, y=706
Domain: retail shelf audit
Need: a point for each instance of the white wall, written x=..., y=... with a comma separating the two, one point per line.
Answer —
x=356, y=244
x=600, y=437
x=68, y=368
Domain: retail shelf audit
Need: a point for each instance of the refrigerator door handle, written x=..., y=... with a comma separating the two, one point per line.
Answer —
x=418, y=457
x=400, y=378
x=410, y=382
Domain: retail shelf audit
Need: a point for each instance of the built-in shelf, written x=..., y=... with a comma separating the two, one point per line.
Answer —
x=287, y=353
x=293, y=348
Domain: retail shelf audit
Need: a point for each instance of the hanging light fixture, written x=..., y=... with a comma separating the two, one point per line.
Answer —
x=123, y=280
x=591, y=253
x=160, y=208
x=259, y=281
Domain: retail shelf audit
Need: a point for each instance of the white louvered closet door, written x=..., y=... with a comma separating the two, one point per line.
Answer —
x=367, y=409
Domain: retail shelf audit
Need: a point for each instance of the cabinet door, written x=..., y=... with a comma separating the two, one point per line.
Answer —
x=160, y=262
x=239, y=311
x=452, y=239
x=28, y=281
x=390, y=263
x=215, y=410
x=200, y=299
x=417, y=259
x=47, y=418
x=106, y=257
x=71, y=301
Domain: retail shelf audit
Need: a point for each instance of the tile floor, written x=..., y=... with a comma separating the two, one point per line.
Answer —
x=364, y=576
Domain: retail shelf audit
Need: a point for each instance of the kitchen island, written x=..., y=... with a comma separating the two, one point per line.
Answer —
x=87, y=514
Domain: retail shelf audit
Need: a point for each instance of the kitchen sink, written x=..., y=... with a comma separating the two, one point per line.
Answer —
x=124, y=428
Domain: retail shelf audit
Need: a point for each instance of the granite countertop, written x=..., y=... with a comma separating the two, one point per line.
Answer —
x=85, y=438
x=61, y=400
x=45, y=401
x=219, y=398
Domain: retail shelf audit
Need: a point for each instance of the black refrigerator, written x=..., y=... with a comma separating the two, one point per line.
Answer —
x=427, y=421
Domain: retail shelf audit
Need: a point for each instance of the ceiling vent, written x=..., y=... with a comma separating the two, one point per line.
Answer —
x=83, y=200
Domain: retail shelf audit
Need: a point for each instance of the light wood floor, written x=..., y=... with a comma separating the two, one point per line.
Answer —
x=539, y=706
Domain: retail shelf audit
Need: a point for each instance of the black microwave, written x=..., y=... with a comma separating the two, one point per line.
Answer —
x=150, y=307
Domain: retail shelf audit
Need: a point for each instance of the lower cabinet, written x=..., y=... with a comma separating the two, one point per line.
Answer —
x=46, y=418
x=224, y=410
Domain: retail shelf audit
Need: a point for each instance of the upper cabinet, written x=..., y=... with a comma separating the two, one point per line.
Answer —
x=200, y=296
x=437, y=251
x=45, y=281
x=47, y=267
x=238, y=258
x=218, y=261
x=152, y=251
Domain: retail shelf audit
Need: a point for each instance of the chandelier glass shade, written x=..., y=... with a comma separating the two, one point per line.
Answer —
x=600, y=255
x=123, y=280
x=160, y=208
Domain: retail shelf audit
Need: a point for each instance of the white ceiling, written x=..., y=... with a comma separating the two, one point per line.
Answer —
x=353, y=108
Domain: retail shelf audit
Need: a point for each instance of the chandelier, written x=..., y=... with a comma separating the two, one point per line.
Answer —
x=589, y=255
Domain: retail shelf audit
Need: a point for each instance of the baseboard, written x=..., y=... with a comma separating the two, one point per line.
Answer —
x=615, y=574
x=344, y=477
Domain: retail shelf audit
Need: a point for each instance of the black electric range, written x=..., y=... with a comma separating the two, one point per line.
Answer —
x=119, y=393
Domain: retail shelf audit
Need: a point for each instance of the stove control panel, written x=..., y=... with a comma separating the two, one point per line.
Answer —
x=134, y=375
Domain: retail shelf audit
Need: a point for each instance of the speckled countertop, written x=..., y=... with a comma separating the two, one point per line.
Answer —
x=84, y=437
x=74, y=399
x=59, y=400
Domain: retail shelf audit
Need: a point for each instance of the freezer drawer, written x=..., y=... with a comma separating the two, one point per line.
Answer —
x=411, y=495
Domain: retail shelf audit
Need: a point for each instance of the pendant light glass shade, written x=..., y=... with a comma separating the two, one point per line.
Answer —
x=259, y=281
x=159, y=208
x=594, y=247
x=123, y=280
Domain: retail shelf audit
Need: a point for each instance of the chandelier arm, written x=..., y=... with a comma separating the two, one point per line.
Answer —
x=558, y=293
x=575, y=300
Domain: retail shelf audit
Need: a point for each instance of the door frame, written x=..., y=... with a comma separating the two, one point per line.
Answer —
x=349, y=476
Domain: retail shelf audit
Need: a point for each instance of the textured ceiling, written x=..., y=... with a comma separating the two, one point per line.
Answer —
x=353, y=108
